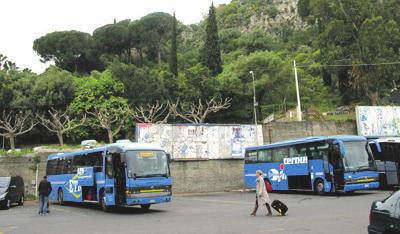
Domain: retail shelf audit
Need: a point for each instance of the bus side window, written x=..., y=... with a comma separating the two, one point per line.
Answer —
x=280, y=154
x=298, y=151
x=109, y=167
x=51, y=168
x=293, y=152
x=67, y=166
x=265, y=156
x=95, y=161
x=251, y=157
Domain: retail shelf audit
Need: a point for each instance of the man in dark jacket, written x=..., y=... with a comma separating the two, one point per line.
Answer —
x=44, y=192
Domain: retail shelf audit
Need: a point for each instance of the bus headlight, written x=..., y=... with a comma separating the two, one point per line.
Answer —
x=132, y=191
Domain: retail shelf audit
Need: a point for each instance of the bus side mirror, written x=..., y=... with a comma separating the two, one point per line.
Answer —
x=378, y=146
x=169, y=158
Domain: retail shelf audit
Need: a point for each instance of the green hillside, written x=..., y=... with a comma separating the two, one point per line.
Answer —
x=346, y=51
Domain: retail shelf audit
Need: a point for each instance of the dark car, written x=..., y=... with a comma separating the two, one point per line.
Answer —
x=385, y=215
x=11, y=191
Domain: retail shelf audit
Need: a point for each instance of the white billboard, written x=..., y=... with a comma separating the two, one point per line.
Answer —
x=378, y=121
x=206, y=141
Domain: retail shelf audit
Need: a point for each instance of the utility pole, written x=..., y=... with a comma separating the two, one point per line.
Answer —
x=299, y=117
x=255, y=106
x=37, y=180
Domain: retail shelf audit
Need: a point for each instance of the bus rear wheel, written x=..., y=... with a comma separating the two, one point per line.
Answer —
x=60, y=197
x=145, y=207
x=319, y=187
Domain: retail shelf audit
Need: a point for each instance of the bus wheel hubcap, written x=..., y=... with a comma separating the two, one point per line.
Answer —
x=320, y=186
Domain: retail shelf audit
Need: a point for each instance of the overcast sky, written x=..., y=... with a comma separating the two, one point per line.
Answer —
x=25, y=20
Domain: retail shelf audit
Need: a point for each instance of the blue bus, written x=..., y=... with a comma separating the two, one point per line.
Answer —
x=121, y=174
x=319, y=164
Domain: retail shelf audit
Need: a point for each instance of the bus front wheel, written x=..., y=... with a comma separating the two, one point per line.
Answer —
x=145, y=207
x=103, y=203
x=319, y=187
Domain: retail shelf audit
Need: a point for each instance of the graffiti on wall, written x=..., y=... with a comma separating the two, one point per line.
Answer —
x=378, y=120
x=200, y=141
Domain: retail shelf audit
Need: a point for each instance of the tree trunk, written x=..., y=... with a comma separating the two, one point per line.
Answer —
x=159, y=55
x=12, y=142
x=373, y=97
x=60, y=138
x=110, y=136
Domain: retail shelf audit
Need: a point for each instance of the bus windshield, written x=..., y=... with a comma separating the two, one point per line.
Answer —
x=4, y=181
x=147, y=163
x=356, y=156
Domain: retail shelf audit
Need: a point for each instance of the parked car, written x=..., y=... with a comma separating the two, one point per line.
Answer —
x=11, y=191
x=385, y=215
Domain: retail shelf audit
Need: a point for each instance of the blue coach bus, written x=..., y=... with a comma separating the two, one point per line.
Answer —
x=121, y=174
x=319, y=164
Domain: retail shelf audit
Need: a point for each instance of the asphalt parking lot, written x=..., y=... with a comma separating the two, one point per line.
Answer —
x=202, y=213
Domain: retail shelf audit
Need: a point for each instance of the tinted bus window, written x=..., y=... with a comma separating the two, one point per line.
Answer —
x=322, y=150
x=265, y=156
x=298, y=151
x=51, y=168
x=251, y=157
x=280, y=154
x=68, y=166
x=96, y=161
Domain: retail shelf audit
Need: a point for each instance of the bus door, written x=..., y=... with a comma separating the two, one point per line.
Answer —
x=116, y=176
x=120, y=179
x=335, y=159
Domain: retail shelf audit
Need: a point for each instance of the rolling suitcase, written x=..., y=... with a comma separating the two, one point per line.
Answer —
x=280, y=207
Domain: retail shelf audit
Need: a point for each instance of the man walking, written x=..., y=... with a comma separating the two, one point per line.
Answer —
x=44, y=192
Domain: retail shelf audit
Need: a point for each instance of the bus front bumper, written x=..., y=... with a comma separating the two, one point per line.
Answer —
x=147, y=200
x=360, y=186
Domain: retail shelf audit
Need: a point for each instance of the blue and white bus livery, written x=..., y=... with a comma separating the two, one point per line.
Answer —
x=320, y=164
x=121, y=174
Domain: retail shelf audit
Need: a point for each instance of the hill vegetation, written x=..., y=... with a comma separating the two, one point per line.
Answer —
x=156, y=69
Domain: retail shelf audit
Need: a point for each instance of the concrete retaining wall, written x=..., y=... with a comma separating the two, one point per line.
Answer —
x=207, y=175
x=200, y=175
x=277, y=131
x=22, y=166
x=189, y=176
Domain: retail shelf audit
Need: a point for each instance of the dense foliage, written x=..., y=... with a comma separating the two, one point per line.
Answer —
x=344, y=50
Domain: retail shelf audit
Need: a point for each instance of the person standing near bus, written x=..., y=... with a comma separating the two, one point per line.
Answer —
x=44, y=192
x=261, y=194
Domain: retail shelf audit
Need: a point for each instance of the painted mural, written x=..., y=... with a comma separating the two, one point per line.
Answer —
x=378, y=120
x=207, y=141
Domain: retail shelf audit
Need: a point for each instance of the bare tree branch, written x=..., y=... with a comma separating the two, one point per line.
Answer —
x=111, y=120
x=13, y=124
x=152, y=113
x=198, y=112
x=60, y=122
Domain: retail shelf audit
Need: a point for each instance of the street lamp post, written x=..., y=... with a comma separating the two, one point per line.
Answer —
x=298, y=109
x=254, y=105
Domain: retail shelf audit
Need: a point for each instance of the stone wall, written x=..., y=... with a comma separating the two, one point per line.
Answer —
x=24, y=167
x=278, y=131
x=195, y=176
x=207, y=175
x=190, y=176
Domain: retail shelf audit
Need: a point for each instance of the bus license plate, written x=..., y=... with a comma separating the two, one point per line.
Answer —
x=152, y=201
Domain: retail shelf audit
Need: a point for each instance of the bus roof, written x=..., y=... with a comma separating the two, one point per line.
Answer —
x=388, y=139
x=308, y=140
x=125, y=146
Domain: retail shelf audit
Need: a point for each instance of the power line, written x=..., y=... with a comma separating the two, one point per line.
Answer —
x=351, y=65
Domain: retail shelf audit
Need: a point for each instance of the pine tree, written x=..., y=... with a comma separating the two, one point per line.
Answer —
x=174, y=56
x=211, y=54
